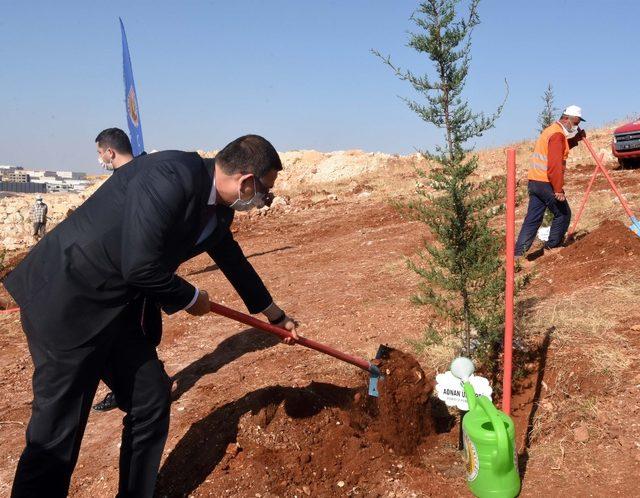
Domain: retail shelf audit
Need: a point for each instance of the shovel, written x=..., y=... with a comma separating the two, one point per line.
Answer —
x=635, y=223
x=374, y=371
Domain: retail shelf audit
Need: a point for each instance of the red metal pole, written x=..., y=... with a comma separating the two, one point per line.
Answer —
x=510, y=280
x=625, y=206
x=584, y=203
x=283, y=334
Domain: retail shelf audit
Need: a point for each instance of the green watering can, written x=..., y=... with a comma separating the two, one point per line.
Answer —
x=489, y=442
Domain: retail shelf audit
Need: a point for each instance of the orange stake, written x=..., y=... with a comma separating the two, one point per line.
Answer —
x=510, y=280
x=584, y=203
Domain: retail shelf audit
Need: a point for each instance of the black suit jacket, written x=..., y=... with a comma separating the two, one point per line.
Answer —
x=125, y=242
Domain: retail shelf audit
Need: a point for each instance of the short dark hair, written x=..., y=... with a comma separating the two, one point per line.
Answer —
x=116, y=139
x=249, y=154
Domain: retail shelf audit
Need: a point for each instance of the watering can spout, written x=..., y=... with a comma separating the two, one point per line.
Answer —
x=470, y=393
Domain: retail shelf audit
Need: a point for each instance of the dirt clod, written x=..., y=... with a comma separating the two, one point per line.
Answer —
x=581, y=434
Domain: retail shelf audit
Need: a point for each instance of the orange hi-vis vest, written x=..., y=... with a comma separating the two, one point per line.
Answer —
x=539, y=157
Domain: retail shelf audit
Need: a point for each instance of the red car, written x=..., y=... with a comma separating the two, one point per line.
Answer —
x=626, y=144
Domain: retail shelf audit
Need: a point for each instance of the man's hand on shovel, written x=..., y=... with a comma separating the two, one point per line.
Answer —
x=279, y=318
x=201, y=304
x=276, y=316
x=289, y=324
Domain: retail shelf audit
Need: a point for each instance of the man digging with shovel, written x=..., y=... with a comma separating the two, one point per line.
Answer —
x=546, y=181
x=80, y=291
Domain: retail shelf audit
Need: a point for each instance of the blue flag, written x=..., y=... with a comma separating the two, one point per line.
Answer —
x=131, y=99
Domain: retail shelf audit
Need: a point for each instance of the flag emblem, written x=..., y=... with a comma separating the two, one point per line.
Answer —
x=132, y=110
x=132, y=107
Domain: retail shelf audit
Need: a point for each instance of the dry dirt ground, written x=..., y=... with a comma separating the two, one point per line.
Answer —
x=255, y=418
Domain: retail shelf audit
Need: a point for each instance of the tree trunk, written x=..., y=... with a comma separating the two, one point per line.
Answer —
x=467, y=324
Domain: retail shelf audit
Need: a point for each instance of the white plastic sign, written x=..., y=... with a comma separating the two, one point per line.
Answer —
x=449, y=389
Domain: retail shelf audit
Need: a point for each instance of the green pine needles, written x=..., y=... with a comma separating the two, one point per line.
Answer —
x=462, y=275
x=548, y=113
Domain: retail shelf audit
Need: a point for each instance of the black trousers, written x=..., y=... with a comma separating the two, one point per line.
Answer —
x=541, y=198
x=64, y=384
x=39, y=228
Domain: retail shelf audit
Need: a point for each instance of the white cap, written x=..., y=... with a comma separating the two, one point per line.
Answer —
x=574, y=111
x=38, y=197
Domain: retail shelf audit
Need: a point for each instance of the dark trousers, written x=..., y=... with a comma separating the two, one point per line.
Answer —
x=39, y=229
x=64, y=384
x=541, y=198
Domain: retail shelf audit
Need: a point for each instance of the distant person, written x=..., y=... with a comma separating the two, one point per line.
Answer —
x=81, y=291
x=114, y=148
x=546, y=181
x=114, y=151
x=39, y=218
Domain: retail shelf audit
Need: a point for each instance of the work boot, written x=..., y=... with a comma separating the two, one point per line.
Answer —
x=538, y=245
x=523, y=264
x=107, y=404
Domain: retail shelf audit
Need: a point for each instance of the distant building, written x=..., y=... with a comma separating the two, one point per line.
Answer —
x=16, y=176
x=6, y=170
x=23, y=187
x=59, y=187
x=79, y=185
x=71, y=175
x=41, y=174
x=41, y=181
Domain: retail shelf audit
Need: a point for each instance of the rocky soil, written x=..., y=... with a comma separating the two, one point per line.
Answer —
x=254, y=418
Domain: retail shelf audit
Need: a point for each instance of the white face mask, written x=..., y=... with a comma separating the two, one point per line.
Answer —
x=572, y=131
x=105, y=165
x=257, y=201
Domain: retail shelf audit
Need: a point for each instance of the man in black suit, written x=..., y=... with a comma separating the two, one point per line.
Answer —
x=82, y=288
x=114, y=151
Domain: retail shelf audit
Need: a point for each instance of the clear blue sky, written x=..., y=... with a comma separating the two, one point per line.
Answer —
x=300, y=72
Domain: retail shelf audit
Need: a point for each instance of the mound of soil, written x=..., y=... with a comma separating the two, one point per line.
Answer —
x=317, y=440
x=612, y=239
x=610, y=247
x=400, y=417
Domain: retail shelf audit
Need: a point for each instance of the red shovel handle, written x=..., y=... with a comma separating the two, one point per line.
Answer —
x=4, y=308
x=284, y=334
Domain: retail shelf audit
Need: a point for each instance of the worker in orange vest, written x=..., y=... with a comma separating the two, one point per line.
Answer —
x=546, y=181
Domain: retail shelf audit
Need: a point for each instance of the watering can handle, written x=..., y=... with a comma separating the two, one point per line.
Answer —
x=502, y=459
